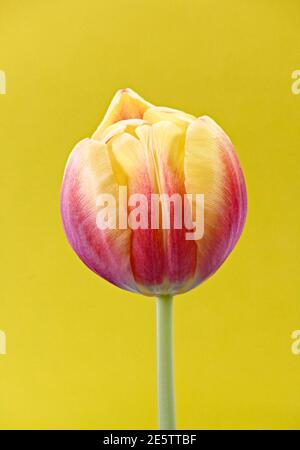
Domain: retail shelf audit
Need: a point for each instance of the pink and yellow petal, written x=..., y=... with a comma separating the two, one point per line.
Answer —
x=106, y=252
x=165, y=143
x=211, y=168
x=133, y=168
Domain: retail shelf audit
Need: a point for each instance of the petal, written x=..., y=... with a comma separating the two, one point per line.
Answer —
x=124, y=126
x=132, y=166
x=126, y=104
x=159, y=113
x=164, y=141
x=211, y=168
x=234, y=173
x=106, y=252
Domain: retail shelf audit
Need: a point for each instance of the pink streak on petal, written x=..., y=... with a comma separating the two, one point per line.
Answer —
x=220, y=241
x=96, y=248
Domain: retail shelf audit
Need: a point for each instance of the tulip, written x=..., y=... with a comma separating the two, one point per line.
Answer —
x=149, y=150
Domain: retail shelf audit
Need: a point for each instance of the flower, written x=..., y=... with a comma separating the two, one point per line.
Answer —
x=150, y=150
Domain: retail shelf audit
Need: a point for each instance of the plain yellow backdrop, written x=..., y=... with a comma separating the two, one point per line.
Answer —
x=81, y=352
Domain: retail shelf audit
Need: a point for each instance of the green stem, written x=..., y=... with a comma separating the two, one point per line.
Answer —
x=166, y=400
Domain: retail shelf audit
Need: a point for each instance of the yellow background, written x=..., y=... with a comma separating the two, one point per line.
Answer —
x=81, y=352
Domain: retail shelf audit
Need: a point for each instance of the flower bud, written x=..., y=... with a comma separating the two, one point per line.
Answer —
x=155, y=200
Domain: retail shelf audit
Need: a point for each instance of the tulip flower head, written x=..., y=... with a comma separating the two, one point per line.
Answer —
x=144, y=159
x=154, y=202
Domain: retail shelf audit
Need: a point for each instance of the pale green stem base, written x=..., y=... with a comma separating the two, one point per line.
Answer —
x=166, y=399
